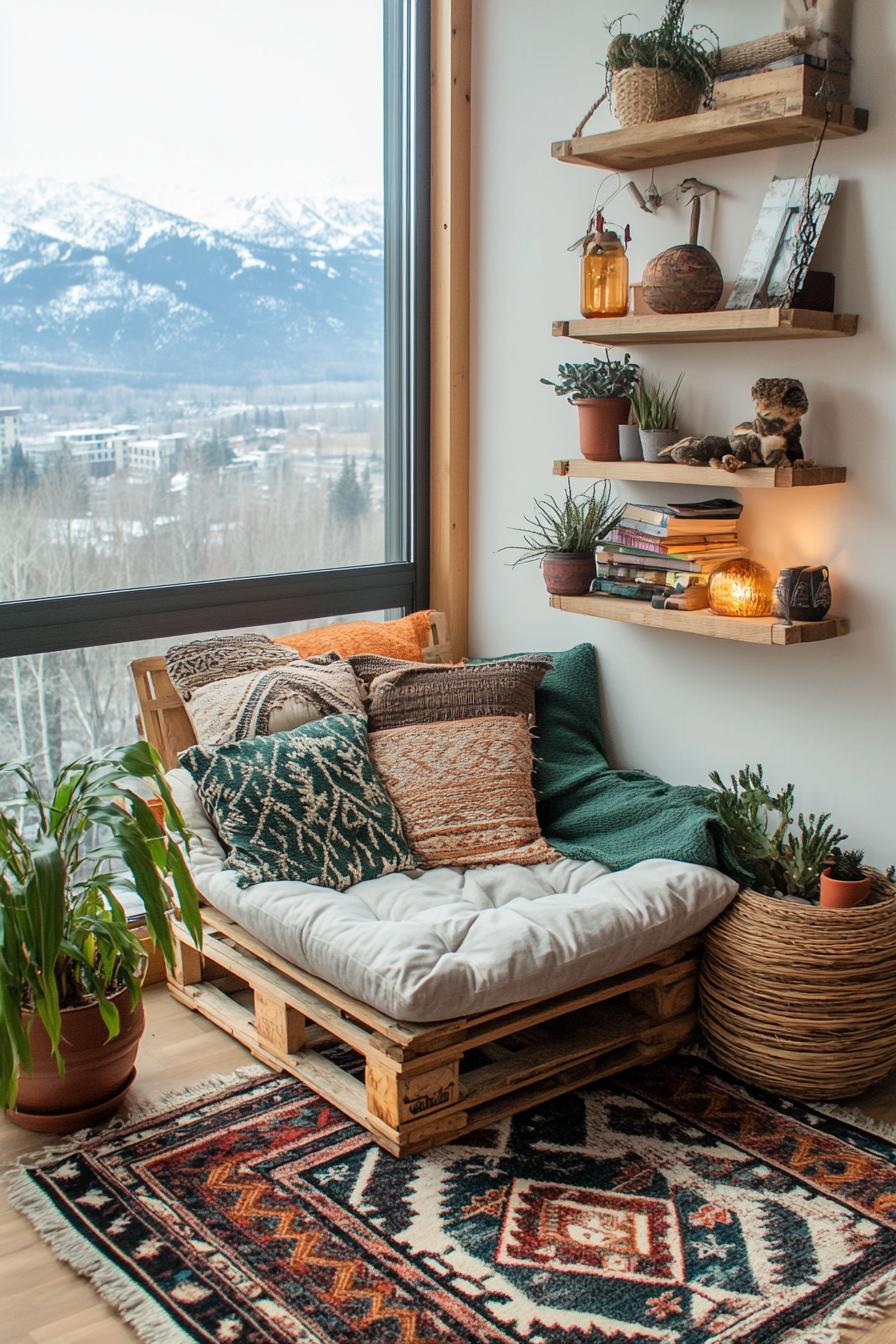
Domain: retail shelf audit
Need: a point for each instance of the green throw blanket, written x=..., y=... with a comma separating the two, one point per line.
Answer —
x=618, y=817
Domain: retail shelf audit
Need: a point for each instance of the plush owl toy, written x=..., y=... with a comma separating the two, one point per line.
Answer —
x=772, y=437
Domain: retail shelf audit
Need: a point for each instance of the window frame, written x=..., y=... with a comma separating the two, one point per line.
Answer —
x=51, y=624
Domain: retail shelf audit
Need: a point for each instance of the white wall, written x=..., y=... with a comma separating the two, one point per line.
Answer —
x=680, y=705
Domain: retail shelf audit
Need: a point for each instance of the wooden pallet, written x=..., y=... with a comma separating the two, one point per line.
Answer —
x=411, y=1085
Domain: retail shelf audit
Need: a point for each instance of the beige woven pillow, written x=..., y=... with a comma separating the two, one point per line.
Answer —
x=464, y=791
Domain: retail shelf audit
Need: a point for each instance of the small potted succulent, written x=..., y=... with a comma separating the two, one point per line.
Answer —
x=844, y=883
x=655, y=407
x=71, y=968
x=561, y=536
x=602, y=393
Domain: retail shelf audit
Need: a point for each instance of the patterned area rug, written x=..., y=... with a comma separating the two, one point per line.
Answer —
x=670, y=1207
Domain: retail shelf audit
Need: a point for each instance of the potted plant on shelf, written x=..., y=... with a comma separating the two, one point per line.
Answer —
x=70, y=967
x=844, y=883
x=662, y=73
x=562, y=535
x=602, y=392
x=655, y=407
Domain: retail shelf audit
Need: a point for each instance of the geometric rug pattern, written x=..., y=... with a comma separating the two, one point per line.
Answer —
x=668, y=1206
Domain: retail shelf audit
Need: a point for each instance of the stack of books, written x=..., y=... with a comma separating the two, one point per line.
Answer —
x=663, y=549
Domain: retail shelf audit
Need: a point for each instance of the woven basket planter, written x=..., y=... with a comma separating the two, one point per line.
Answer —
x=642, y=94
x=801, y=1000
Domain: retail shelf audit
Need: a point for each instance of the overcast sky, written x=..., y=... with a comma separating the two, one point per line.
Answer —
x=208, y=97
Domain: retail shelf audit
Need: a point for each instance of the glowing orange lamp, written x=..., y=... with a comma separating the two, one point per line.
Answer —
x=741, y=588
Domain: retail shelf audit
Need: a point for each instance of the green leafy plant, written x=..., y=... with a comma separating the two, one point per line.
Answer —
x=846, y=864
x=692, y=52
x=655, y=406
x=601, y=378
x=64, y=936
x=782, y=856
x=576, y=523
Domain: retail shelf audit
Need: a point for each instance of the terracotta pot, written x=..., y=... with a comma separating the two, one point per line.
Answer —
x=837, y=895
x=97, y=1074
x=569, y=573
x=599, y=421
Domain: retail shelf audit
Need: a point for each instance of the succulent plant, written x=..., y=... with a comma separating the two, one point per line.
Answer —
x=846, y=864
x=576, y=523
x=601, y=378
x=783, y=857
x=655, y=406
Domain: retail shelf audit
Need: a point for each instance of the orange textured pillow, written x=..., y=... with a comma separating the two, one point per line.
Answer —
x=405, y=638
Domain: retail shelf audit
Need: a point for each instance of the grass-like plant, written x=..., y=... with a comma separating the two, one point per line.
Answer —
x=576, y=523
x=601, y=378
x=782, y=856
x=692, y=52
x=64, y=935
x=655, y=406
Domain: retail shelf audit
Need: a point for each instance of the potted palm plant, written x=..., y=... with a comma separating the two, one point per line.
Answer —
x=601, y=391
x=561, y=537
x=655, y=407
x=70, y=966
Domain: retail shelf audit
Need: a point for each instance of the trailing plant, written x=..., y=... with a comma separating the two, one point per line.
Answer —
x=64, y=935
x=577, y=523
x=655, y=406
x=692, y=52
x=846, y=864
x=601, y=378
x=782, y=856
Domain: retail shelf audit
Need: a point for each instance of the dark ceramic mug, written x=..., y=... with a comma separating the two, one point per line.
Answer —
x=803, y=593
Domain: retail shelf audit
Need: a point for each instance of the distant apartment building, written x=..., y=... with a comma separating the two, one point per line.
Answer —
x=10, y=420
x=102, y=451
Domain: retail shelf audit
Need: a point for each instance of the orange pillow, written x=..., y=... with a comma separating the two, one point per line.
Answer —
x=405, y=638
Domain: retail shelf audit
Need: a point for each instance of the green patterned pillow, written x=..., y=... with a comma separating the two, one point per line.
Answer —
x=302, y=806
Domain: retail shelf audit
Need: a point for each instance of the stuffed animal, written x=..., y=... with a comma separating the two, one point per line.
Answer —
x=772, y=437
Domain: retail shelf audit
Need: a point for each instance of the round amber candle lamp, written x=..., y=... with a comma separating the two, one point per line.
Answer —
x=741, y=588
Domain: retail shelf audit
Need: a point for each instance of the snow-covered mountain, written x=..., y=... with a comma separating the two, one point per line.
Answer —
x=93, y=279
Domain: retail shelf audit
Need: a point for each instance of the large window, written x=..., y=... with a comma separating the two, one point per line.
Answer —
x=213, y=362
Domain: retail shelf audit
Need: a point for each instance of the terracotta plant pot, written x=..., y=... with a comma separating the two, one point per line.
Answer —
x=599, y=421
x=837, y=895
x=98, y=1072
x=569, y=573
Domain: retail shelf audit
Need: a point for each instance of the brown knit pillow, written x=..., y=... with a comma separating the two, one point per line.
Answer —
x=407, y=693
x=464, y=791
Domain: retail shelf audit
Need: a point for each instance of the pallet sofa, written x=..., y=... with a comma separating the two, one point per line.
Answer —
x=416, y=1084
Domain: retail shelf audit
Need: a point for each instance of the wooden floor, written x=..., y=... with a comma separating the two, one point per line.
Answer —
x=44, y=1301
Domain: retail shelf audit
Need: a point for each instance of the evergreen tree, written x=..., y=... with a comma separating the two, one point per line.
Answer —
x=281, y=419
x=349, y=497
x=19, y=473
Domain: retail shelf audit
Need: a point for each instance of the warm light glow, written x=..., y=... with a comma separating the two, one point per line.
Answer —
x=741, y=588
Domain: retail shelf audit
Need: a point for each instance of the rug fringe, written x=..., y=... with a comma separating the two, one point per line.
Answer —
x=150, y=1320
x=146, y=1110
x=871, y=1305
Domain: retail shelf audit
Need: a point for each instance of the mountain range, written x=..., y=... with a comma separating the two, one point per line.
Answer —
x=94, y=281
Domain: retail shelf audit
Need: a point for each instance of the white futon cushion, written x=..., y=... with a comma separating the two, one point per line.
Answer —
x=425, y=946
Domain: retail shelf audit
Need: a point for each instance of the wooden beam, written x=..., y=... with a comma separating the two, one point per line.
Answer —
x=451, y=31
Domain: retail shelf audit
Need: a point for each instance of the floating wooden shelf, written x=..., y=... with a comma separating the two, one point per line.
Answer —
x=751, y=478
x=725, y=324
x=766, y=123
x=744, y=629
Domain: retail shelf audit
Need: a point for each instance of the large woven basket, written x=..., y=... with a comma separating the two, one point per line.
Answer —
x=801, y=1000
x=642, y=94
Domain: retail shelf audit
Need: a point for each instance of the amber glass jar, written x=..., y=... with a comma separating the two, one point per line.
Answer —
x=605, y=277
